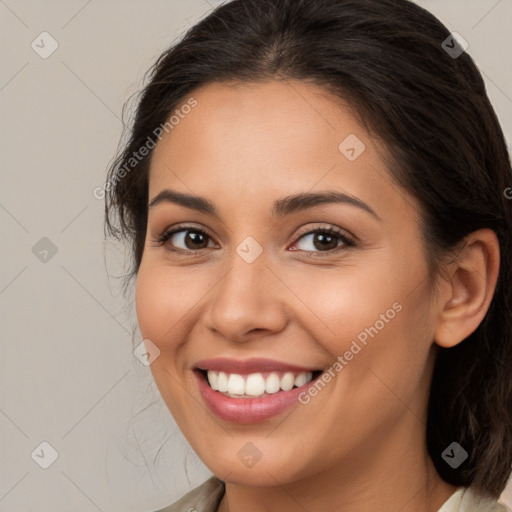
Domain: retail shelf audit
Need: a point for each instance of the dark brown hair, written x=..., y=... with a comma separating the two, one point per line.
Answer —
x=389, y=60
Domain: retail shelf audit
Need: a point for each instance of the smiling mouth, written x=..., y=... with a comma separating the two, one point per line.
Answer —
x=256, y=385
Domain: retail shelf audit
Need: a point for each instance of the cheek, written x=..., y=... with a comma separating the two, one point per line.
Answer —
x=169, y=302
x=391, y=372
x=376, y=317
x=162, y=302
x=339, y=306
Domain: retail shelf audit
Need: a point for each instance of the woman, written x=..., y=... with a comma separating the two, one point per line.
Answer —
x=314, y=194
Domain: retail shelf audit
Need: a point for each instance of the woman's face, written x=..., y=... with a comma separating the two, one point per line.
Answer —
x=266, y=282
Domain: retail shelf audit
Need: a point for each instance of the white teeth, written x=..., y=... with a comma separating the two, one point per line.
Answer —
x=272, y=383
x=213, y=379
x=236, y=384
x=255, y=384
x=287, y=381
x=302, y=378
x=222, y=382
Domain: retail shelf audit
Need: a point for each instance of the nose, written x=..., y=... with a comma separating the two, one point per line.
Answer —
x=248, y=299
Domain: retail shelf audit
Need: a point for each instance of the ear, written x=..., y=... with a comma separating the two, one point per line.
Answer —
x=469, y=288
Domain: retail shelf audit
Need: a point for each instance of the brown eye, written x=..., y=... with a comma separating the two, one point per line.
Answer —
x=324, y=240
x=195, y=239
x=185, y=239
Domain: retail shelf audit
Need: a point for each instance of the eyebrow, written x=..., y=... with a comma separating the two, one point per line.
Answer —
x=281, y=207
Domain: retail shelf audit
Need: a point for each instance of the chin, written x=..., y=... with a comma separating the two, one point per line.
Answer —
x=263, y=473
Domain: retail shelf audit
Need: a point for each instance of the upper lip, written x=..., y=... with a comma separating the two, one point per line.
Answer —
x=255, y=365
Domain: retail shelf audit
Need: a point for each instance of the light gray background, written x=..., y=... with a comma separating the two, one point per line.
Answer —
x=67, y=372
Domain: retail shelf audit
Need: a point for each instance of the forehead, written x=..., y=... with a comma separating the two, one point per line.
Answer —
x=254, y=141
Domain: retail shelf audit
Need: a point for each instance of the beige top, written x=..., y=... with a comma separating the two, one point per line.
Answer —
x=207, y=497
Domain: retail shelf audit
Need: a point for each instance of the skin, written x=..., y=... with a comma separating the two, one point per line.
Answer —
x=359, y=445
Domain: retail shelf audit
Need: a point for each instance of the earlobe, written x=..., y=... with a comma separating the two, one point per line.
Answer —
x=470, y=288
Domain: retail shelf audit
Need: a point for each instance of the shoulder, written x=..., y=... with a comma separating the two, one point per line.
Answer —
x=466, y=499
x=204, y=498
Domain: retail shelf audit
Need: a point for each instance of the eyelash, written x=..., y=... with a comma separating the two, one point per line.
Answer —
x=348, y=241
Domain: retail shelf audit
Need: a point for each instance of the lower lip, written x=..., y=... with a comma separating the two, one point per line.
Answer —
x=248, y=410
